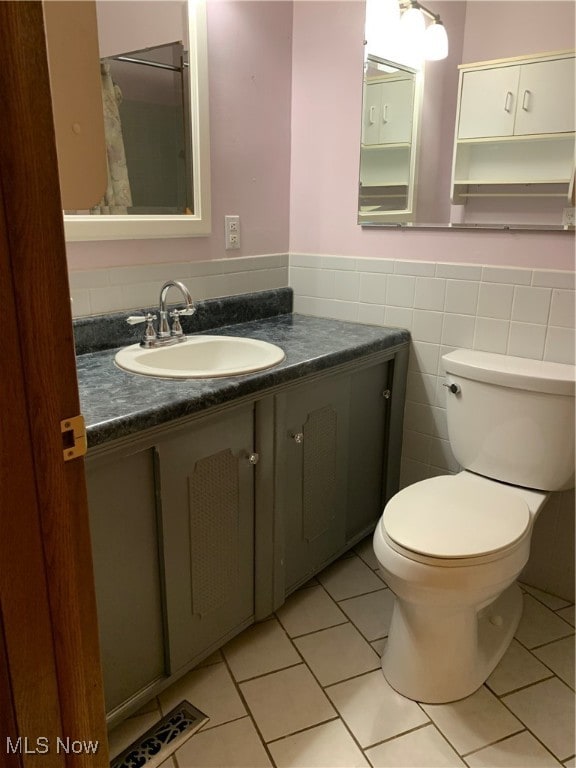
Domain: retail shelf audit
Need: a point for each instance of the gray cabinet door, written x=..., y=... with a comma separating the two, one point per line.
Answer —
x=367, y=445
x=311, y=475
x=207, y=488
x=127, y=572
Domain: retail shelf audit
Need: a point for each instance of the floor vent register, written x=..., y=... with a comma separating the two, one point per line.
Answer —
x=159, y=742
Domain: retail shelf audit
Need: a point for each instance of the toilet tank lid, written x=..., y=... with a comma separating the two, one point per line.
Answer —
x=507, y=371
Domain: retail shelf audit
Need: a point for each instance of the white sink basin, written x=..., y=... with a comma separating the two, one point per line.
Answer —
x=201, y=357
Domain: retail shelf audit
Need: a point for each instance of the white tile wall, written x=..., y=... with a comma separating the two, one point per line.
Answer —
x=523, y=312
x=98, y=291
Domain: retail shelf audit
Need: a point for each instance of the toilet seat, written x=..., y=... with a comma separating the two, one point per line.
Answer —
x=455, y=520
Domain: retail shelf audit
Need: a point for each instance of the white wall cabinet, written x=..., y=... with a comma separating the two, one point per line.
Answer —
x=515, y=129
x=388, y=112
x=518, y=100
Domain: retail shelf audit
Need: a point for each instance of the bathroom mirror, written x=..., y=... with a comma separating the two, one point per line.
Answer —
x=153, y=62
x=389, y=150
x=529, y=181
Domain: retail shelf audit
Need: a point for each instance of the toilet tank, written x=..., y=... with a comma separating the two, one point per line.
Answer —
x=511, y=418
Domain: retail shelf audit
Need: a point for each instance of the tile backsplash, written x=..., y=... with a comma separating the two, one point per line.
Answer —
x=99, y=291
x=521, y=312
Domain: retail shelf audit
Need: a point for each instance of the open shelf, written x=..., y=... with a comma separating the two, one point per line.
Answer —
x=523, y=167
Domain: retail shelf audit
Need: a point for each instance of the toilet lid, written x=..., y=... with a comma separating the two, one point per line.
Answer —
x=459, y=516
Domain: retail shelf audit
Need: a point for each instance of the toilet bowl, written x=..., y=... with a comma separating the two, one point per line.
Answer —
x=451, y=547
x=457, y=606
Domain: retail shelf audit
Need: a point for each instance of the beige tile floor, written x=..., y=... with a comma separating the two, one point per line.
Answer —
x=304, y=690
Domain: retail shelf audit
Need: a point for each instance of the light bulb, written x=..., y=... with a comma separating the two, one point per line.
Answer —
x=435, y=42
x=411, y=37
x=412, y=22
x=381, y=27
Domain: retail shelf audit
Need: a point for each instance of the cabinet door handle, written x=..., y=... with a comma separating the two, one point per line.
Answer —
x=385, y=113
x=253, y=458
x=526, y=100
x=298, y=437
x=508, y=102
x=371, y=117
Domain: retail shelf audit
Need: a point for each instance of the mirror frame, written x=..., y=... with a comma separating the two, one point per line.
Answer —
x=86, y=227
x=403, y=215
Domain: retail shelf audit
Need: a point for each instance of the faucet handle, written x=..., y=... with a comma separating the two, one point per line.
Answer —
x=135, y=319
x=176, y=327
x=149, y=333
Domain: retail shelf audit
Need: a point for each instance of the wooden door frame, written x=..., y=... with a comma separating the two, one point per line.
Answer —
x=53, y=687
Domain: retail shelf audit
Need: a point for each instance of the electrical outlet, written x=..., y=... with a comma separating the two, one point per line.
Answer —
x=568, y=217
x=232, y=232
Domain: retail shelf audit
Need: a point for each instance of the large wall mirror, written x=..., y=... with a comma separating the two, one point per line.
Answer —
x=489, y=139
x=154, y=89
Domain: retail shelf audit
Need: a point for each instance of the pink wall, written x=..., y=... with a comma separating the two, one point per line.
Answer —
x=249, y=45
x=300, y=191
x=326, y=108
x=496, y=29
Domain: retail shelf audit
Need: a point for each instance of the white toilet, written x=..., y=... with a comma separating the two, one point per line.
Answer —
x=451, y=547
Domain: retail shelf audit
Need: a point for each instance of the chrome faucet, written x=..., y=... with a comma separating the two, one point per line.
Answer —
x=165, y=335
x=164, y=329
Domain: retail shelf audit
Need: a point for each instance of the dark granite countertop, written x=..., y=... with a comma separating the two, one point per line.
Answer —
x=116, y=403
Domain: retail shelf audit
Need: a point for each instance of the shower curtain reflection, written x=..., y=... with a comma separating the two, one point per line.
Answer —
x=117, y=197
x=145, y=105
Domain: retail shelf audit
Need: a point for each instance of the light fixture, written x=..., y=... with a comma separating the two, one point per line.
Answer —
x=435, y=41
x=430, y=43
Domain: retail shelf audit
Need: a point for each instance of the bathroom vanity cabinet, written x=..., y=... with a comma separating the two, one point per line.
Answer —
x=203, y=525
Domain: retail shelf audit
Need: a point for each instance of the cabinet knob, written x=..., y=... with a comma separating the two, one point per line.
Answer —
x=387, y=394
x=298, y=437
x=253, y=458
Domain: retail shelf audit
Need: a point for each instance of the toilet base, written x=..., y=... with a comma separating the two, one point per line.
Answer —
x=435, y=655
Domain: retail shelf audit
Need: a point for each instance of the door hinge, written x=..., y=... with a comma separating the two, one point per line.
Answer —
x=74, y=442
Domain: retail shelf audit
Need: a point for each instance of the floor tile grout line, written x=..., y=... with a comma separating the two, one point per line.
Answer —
x=550, y=642
x=399, y=735
x=348, y=619
x=322, y=686
x=526, y=726
x=248, y=710
x=521, y=687
x=311, y=727
x=553, y=672
x=511, y=736
x=535, y=647
x=267, y=674
x=314, y=631
x=554, y=610
x=523, y=729
x=360, y=594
